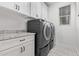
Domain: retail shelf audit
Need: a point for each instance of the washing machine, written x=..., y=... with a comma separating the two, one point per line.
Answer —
x=42, y=29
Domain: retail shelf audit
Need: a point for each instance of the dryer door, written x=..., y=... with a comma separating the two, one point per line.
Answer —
x=47, y=31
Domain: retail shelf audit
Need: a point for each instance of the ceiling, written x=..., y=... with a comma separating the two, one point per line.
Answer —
x=49, y=3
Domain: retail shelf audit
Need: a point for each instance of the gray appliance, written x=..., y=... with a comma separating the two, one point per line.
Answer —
x=43, y=34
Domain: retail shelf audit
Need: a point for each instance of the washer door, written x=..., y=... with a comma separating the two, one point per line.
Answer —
x=47, y=31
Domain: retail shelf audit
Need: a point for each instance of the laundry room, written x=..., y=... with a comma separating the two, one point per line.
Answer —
x=39, y=29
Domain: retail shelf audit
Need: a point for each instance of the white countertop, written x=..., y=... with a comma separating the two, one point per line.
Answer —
x=14, y=35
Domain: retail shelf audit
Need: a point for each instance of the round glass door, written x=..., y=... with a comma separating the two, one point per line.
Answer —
x=47, y=31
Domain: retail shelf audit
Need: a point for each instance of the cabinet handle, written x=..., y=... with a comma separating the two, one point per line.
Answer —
x=17, y=7
x=22, y=40
x=22, y=49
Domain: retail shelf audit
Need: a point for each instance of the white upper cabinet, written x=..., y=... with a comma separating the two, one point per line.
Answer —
x=39, y=9
x=36, y=9
x=23, y=7
x=33, y=9
x=44, y=11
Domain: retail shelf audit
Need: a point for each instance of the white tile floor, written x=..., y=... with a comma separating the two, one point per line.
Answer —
x=60, y=50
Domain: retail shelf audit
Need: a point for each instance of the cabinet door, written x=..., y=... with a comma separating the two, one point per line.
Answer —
x=15, y=51
x=39, y=7
x=24, y=7
x=44, y=11
x=36, y=9
x=28, y=49
x=23, y=46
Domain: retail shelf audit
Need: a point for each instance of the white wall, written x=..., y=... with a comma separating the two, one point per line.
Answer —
x=10, y=20
x=77, y=21
x=65, y=34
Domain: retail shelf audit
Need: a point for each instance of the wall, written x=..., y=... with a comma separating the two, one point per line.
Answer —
x=77, y=21
x=65, y=34
x=10, y=20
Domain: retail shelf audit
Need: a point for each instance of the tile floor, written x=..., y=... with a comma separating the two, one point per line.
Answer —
x=62, y=50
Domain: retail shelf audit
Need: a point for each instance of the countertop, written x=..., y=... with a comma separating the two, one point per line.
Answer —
x=7, y=36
